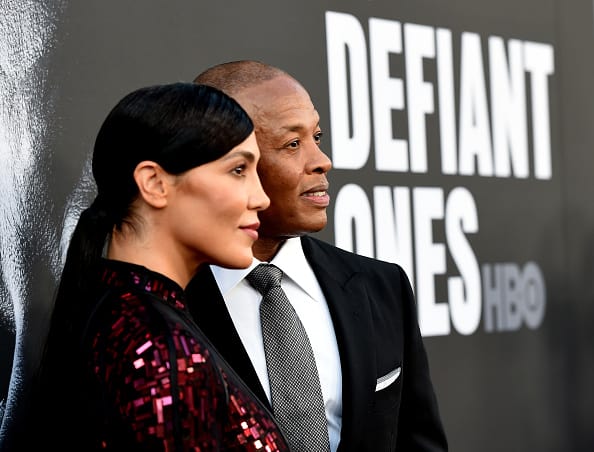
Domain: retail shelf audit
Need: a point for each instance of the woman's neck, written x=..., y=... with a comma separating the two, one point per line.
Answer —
x=153, y=254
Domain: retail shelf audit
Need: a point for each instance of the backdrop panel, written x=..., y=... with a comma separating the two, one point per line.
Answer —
x=461, y=136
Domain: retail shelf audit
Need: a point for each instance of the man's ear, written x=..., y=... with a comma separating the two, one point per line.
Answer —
x=154, y=183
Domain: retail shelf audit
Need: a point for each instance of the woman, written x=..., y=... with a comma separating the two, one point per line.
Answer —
x=125, y=367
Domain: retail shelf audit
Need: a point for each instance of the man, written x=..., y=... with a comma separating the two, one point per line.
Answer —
x=359, y=313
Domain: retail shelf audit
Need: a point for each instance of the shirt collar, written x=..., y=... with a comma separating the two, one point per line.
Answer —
x=290, y=259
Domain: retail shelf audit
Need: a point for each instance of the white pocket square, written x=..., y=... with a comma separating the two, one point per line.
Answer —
x=387, y=380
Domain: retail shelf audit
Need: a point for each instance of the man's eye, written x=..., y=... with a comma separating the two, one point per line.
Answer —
x=294, y=144
x=318, y=137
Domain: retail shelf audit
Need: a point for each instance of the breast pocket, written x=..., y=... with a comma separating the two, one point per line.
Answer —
x=388, y=391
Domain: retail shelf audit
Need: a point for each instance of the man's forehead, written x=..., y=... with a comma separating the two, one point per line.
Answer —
x=266, y=92
x=292, y=120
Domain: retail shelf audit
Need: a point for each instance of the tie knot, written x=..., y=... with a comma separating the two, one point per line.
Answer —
x=264, y=277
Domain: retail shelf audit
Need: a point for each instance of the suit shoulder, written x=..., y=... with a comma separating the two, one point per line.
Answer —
x=363, y=262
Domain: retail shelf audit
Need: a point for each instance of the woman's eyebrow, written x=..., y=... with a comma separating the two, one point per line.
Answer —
x=247, y=154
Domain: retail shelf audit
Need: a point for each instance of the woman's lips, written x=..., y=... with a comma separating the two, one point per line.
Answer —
x=252, y=230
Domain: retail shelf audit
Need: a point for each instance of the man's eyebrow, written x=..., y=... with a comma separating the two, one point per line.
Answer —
x=298, y=127
x=294, y=128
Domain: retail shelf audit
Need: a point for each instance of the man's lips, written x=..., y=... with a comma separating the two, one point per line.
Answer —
x=319, y=196
x=317, y=190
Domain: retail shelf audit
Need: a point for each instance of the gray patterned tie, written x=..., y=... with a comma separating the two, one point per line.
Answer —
x=297, y=400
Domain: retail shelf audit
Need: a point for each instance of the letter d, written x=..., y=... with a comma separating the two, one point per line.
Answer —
x=351, y=139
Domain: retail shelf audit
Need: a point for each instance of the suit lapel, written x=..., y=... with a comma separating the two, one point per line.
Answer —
x=210, y=313
x=345, y=293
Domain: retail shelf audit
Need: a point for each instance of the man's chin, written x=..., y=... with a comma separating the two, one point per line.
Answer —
x=320, y=224
x=314, y=227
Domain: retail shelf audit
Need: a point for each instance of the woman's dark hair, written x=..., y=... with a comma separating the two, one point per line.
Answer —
x=179, y=126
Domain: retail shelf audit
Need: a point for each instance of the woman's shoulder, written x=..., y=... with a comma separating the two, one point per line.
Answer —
x=130, y=324
x=149, y=364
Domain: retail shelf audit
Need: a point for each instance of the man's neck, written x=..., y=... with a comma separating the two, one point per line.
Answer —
x=266, y=248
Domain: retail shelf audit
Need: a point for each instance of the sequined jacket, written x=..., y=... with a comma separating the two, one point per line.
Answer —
x=155, y=382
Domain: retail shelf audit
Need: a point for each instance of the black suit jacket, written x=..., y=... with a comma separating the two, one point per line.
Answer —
x=374, y=314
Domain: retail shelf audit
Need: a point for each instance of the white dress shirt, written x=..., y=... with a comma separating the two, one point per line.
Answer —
x=305, y=294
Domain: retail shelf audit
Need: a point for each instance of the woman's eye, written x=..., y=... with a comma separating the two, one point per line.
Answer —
x=239, y=170
x=294, y=144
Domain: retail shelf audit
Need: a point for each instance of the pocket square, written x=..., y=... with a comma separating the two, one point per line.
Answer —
x=387, y=380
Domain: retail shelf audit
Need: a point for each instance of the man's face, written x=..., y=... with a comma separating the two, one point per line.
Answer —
x=292, y=166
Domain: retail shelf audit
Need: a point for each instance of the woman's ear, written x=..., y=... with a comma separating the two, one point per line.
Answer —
x=154, y=183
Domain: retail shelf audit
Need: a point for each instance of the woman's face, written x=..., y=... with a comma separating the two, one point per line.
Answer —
x=214, y=210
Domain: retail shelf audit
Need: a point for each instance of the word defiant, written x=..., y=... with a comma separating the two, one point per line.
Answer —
x=492, y=138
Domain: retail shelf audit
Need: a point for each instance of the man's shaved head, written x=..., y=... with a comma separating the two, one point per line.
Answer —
x=235, y=76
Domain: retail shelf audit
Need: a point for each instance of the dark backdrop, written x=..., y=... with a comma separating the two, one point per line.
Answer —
x=511, y=353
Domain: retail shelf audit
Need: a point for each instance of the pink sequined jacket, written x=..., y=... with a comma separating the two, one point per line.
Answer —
x=156, y=381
